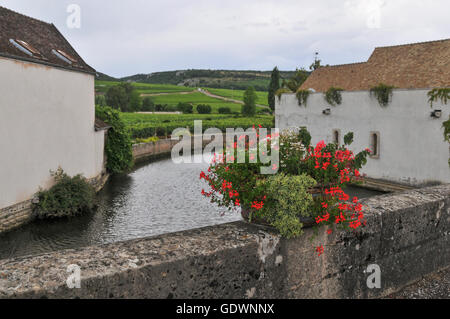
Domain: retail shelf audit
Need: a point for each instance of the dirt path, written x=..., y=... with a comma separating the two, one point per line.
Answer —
x=205, y=92
x=167, y=93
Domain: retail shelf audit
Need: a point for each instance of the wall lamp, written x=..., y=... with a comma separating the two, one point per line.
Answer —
x=436, y=114
x=326, y=111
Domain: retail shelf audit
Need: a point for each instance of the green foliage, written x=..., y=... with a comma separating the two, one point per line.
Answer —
x=185, y=108
x=281, y=91
x=204, y=109
x=383, y=93
x=288, y=200
x=442, y=94
x=70, y=196
x=446, y=126
x=148, y=105
x=348, y=138
x=135, y=104
x=100, y=100
x=294, y=83
x=274, y=86
x=302, y=97
x=123, y=97
x=118, y=147
x=304, y=137
x=249, y=107
x=333, y=96
x=145, y=125
x=224, y=110
x=152, y=139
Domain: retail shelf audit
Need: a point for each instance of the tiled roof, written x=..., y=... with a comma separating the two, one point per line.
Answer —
x=100, y=125
x=417, y=65
x=41, y=37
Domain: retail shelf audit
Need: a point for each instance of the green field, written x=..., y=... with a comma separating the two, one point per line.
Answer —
x=173, y=94
x=195, y=98
x=239, y=95
x=143, y=88
x=148, y=125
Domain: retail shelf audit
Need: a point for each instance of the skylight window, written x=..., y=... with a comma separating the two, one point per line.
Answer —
x=64, y=56
x=20, y=45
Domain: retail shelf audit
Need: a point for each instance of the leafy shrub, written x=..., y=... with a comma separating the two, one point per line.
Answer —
x=148, y=105
x=383, y=93
x=288, y=199
x=70, y=196
x=152, y=139
x=279, y=92
x=333, y=96
x=100, y=100
x=224, y=110
x=161, y=131
x=185, y=108
x=118, y=147
x=204, y=109
x=249, y=107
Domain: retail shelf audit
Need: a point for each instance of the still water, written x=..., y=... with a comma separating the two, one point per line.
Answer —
x=156, y=198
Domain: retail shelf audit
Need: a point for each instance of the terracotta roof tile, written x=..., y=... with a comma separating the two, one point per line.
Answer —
x=417, y=65
x=41, y=36
x=100, y=125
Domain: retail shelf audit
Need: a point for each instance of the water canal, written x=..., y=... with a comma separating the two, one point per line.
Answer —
x=155, y=198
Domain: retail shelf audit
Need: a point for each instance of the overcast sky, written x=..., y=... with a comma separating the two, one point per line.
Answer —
x=125, y=37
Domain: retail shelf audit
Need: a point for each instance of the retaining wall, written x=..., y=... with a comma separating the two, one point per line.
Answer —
x=20, y=214
x=407, y=235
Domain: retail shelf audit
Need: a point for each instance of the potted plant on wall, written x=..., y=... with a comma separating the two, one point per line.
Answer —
x=308, y=188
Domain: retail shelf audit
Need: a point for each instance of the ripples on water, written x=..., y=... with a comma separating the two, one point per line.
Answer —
x=155, y=198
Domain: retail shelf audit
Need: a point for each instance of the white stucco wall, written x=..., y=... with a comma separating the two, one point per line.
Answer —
x=46, y=121
x=412, y=147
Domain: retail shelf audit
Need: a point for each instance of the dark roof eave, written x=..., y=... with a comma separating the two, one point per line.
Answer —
x=15, y=57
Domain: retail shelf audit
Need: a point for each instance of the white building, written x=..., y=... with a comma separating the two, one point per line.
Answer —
x=407, y=139
x=47, y=112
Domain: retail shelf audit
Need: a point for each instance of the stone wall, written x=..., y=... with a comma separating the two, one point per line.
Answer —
x=20, y=214
x=407, y=235
x=144, y=151
x=15, y=216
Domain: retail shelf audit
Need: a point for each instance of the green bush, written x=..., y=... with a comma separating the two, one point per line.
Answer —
x=185, y=108
x=204, y=109
x=100, y=100
x=148, y=105
x=118, y=147
x=224, y=110
x=70, y=196
x=289, y=199
x=249, y=107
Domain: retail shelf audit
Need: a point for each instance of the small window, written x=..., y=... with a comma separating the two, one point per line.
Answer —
x=375, y=144
x=337, y=137
x=24, y=47
x=64, y=56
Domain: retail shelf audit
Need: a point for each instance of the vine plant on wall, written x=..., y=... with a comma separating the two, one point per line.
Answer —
x=281, y=91
x=302, y=97
x=442, y=95
x=333, y=96
x=383, y=93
